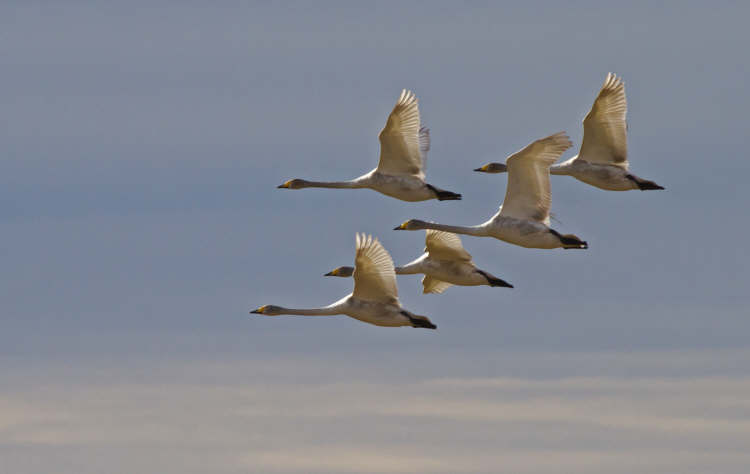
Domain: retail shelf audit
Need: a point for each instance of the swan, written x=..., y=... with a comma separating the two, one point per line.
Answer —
x=445, y=263
x=403, y=154
x=375, y=296
x=603, y=158
x=523, y=218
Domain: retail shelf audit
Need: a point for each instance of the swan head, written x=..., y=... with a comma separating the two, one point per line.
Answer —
x=294, y=184
x=411, y=224
x=493, y=168
x=268, y=310
x=341, y=272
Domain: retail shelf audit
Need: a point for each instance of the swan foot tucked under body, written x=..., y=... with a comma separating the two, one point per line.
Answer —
x=443, y=195
x=644, y=184
x=419, y=321
x=493, y=280
x=570, y=241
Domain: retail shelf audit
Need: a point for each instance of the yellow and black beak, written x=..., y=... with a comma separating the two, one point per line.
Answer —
x=286, y=185
x=258, y=311
x=483, y=169
x=402, y=226
x=332, y=273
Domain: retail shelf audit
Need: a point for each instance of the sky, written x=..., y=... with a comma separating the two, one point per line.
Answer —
x=142, y=144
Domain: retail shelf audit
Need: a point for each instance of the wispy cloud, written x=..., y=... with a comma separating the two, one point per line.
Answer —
x=276, y=418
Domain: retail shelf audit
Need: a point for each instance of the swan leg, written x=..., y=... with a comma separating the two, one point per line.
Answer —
x=443, y=195
x=643, y=184
x=419, y=321
x=570, y=241
x=494, y=281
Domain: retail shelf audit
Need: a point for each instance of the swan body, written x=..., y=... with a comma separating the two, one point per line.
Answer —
x=523, y=218
x=444, y=263
x=375, y=296
x=404, y=144
x=602, y=160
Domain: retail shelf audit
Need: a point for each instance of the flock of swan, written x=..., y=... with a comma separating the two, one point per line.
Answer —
x=523, y=218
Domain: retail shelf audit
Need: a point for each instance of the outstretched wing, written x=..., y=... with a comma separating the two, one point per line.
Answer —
x=527, y=195
x=605, y=135
x=433, y=285
x=445, y=246
x=403, y=141
x=374, y=276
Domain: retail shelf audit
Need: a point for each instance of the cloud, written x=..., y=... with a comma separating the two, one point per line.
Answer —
x=274, y=416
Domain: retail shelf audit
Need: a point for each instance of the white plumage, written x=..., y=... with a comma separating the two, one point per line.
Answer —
x=444, y=263
x=404, y=144
x=603, y=158
x=523, y=218
x=375, y=296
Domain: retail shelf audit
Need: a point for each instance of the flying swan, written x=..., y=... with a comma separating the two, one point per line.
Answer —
x=403, y=154
x=445, y=263
x=523, y=218
x=603, y=159
x=375, y=296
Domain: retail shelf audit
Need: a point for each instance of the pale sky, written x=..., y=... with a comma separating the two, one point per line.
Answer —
x=140, y=223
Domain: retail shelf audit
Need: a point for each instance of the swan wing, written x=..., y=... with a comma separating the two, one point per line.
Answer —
x=403, y=143
x=528, y=194
x=433, y=285
x=445, y=246
x=374, y=276
x=605, y=128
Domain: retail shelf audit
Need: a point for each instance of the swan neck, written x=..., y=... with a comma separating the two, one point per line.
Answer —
x=408, y=269
x=333, y=184
x=327, y=311
x=457, y=229
x=413, y=267
x=558, y=169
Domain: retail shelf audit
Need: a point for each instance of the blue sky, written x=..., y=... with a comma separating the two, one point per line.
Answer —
x=142, y=145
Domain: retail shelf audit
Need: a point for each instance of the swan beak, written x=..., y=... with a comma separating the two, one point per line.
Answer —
x=285, y=185
x=332, y=273
x=483, y=169
x=258, y=311
x=401, y=227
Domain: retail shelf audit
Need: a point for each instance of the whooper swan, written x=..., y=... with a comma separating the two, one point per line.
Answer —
x=445, y=263
x=375, y=296
x=523, y=218
x=403, y=154
x=603, y=159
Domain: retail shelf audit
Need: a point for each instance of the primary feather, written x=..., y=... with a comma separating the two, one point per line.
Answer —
x=605, y=126
x=402, y=141
x=528, y=193
x=374, y=276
